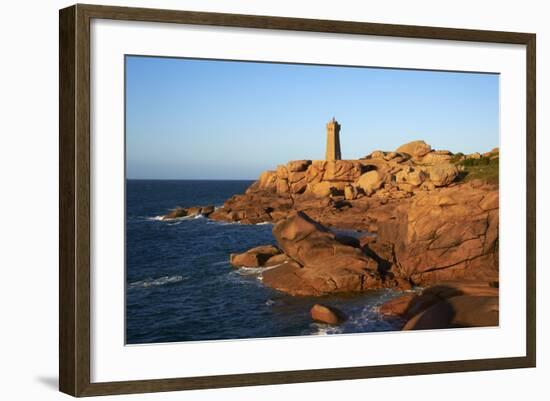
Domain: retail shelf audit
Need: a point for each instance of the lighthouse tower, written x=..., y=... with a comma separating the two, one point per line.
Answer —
x=333, y=140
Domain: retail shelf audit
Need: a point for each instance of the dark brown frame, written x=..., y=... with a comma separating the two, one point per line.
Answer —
x=74, y=199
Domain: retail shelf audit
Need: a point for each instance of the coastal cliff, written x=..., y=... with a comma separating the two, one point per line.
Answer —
x=422, y=217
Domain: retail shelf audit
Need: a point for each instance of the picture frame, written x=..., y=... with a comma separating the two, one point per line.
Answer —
x=75, y=199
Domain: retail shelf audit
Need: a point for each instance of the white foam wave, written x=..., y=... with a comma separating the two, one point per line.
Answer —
x=222, y=223
x=168, y=220
x=150, y=282
x=369, y=317
x=320, y=329
x=179, y=219
x=246, y=270
x=263, y=223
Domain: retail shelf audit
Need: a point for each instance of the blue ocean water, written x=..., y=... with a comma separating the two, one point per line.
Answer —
x=181, y=287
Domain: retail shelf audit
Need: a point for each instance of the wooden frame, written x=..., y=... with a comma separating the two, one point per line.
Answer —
x=74, y=199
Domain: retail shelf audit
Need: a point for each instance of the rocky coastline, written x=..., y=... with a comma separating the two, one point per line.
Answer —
x=429, y=220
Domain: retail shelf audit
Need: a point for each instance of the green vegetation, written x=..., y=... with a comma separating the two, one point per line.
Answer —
x=457, y=157
x=485, y=169
x=483, y=161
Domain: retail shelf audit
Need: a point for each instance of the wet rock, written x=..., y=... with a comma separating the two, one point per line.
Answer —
x=456, y=312
x=327, y=314
x=175, y=213
x=408, y=305
x=188, y=212
x=260, y=256
x=447, y=305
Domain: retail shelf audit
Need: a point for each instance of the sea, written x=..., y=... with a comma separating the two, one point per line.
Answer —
x=181, y=287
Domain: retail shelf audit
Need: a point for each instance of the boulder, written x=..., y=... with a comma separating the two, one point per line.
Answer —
x=370, y=181
x=397, y=306
x=188, y=212
x=377, y=154
x=436, y=306
x=384, y=255
x=342, y=170
x=282, y=187
x=323, y=265
x=282, y=172
x=276, y=260
x=456, y=312
x=296, y=181
x=449, y=289
x=295, y=176
x=408, y=305
x=308, y=242
x=442, y=174
x=444, y=235
x=253, y=214
x=260, y=256
x=289, y=278
x=175, y=213
x=326, y=188
x=350, y=192
x=391, y=156
x=207, y=210
x=268, y=180
x=298, y=187
x=320, y=189
x=194, y=211
x=331, y=276
x=315, y=171
x=410, y=177
x=415, y=149
x=435, y=157
x=298, y=165
x=327, y=314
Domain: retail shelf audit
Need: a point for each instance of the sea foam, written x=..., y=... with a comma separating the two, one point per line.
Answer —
x=150, y=282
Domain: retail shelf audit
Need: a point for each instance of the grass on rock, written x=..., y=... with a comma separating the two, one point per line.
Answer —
x=484, y=169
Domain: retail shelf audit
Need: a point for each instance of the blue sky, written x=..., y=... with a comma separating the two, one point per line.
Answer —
x=202, y=119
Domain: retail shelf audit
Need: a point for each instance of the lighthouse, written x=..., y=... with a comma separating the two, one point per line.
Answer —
x=333, y=140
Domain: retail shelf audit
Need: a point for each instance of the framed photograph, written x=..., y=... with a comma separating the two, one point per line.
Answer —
x=250, y=200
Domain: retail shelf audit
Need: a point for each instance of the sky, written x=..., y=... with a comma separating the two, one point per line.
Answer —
x=212, y=119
